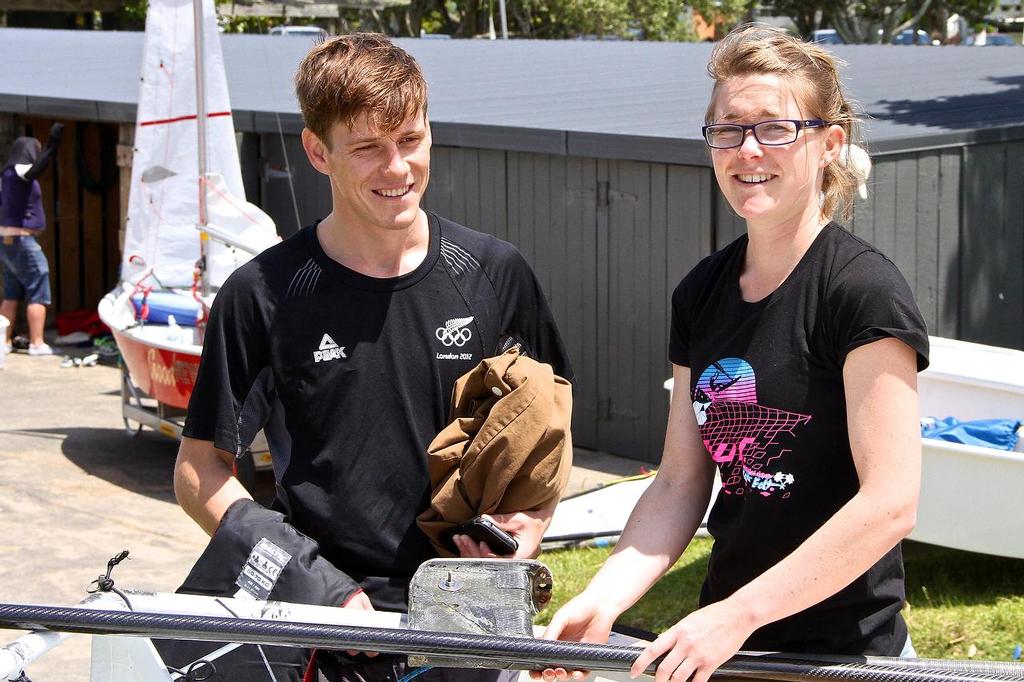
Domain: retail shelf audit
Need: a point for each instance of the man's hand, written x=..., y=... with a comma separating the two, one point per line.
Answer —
x=360, y=602
x=526, y=527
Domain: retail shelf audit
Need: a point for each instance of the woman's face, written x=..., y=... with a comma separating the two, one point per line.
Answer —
x=770, y=184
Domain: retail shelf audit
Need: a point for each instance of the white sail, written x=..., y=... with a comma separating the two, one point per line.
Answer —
x=163, y=203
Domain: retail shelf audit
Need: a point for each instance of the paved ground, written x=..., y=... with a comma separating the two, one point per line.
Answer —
x=75, y=490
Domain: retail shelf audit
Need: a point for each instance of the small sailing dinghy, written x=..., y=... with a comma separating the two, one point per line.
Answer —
x=188, y=223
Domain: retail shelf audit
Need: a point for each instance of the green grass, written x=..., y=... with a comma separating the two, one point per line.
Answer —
x=959, y=604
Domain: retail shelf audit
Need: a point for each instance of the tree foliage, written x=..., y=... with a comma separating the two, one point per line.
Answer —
x=564, y=19
x=877, y=21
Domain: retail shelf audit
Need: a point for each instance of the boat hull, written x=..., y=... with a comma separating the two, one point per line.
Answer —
x=971, y=496
x=165, y=375
x=162, y=361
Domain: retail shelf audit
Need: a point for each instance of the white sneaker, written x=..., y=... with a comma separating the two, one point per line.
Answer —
x=8, y=348
x=40, y=349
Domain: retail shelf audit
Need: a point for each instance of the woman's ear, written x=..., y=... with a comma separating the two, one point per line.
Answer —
x=835, y=138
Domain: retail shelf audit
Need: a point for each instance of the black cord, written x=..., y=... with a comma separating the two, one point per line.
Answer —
x=194, y=671
x=105, y=583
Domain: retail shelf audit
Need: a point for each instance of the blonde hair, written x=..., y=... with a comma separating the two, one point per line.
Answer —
x=346, y=76
x=754, y=49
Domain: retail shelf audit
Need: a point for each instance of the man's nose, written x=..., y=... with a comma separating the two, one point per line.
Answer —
x=396, y=163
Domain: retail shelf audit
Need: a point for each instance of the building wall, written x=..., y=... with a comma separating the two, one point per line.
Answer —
x=610, y=239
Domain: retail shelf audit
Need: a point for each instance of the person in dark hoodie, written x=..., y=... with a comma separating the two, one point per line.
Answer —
x=26, y=272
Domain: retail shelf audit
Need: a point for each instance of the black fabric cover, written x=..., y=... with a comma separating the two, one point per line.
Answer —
x=307, y=578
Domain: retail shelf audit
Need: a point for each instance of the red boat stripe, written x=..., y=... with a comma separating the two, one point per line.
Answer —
x=190, y=117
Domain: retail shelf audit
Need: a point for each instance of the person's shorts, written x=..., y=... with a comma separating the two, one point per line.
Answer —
x=26, y=272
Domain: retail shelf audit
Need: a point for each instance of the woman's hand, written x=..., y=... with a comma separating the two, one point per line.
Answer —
x=580, y=620
x=697, y=645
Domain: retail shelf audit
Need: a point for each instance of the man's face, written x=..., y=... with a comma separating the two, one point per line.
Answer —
x=377, y=179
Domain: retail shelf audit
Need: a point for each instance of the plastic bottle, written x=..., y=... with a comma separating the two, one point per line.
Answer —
x=173, y=330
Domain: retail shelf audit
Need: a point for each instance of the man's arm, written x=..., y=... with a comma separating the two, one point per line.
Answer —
x=204, y=484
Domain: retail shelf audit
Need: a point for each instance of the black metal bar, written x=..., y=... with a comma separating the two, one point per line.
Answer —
x=489, y=650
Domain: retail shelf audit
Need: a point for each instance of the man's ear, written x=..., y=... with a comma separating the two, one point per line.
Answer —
x=316, y=151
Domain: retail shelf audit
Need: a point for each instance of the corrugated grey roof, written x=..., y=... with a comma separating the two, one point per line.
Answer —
x=616, y=99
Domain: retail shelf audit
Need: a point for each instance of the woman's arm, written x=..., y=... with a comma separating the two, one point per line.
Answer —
x=880, y=382
x=661, y=525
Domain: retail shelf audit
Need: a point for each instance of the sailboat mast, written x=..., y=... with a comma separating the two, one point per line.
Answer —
x=204, y=238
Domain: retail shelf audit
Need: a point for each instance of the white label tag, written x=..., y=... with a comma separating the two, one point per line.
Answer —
x=262, y=569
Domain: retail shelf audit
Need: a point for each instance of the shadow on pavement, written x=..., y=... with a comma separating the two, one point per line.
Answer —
x=143, y=464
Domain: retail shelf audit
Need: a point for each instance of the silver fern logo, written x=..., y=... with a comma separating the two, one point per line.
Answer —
x=455, y=332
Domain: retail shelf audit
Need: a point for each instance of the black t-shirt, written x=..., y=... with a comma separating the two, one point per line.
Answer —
x=364, y=369
x=767, y=388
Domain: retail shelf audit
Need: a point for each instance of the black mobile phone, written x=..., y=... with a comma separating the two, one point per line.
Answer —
x=482, y=530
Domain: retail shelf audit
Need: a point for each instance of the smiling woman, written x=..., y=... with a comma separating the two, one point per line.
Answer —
x=799, y=345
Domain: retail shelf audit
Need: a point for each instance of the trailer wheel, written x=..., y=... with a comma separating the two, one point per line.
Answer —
x=132, y=431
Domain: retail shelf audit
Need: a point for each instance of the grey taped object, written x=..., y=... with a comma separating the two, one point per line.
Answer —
x=512, y=580
x=476, y=596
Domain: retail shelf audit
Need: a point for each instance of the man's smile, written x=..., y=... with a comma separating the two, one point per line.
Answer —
x=394, y=192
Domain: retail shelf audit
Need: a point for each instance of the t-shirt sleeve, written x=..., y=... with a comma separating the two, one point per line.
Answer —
x=235, y=350
x=870, y=300
x=527, y=317
x=679, y=329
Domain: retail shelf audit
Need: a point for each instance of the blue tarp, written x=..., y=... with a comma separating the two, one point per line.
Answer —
x=987, y=433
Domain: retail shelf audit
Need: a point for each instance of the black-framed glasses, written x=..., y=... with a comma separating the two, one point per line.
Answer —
x=772, y=133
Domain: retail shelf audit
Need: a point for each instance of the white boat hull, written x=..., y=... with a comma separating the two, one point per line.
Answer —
x=971, y=497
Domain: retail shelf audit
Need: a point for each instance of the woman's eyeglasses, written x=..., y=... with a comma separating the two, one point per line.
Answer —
x=772, y=133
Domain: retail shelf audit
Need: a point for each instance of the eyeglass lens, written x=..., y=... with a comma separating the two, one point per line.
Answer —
x=766, y=132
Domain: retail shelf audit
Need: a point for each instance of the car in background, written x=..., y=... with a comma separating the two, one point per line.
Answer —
x=314, y=32
x=827, y=36
x=906, y=37
x=997, y=40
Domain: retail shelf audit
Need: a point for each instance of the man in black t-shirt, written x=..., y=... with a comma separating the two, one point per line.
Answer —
x=361, y=323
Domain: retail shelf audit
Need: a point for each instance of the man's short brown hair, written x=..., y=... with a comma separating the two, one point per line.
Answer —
x=346, y=76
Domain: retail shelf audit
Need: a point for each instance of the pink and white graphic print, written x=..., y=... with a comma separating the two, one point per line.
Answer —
x=745, y=439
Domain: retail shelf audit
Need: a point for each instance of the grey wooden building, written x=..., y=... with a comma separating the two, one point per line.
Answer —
x=587, y=156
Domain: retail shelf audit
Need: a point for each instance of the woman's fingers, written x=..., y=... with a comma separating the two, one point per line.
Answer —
x=680, y=673
x=556, y=626
x=659, y=646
